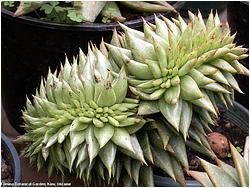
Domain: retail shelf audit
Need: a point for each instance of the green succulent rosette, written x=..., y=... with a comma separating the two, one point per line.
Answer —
x=180, y=68
x=81, y=114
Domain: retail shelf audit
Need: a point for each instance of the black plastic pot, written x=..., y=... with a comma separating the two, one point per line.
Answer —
x=10, y=154
x=239, y=116
x=30, y=46
x=203, y=6
x=238, y=19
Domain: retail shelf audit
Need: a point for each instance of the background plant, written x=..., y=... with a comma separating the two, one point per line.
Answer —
x=84, y=11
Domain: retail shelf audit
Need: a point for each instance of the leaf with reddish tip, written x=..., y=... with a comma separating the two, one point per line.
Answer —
x=201, y=177
x=241, y=166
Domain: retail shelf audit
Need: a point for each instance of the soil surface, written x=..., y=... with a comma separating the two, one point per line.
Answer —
x=6, y=170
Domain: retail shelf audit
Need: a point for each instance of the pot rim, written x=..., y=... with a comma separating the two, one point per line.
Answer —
x=14, y=155
x=83, y=26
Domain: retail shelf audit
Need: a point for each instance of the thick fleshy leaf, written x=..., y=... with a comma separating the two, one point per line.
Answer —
x=223, y=65
x=241, y=167
x=218, y=76
x=120, y=85
x=148, y=107
x=163, y=133
x=189, y=89
x=201, y=177
x=228, y=169
x=146, y=176
x=82, y=154
x=103, y=134
x=76, y=138
x=215, y=87
x=116, y=54
x=186, y=117
x=93, y=146
x=232, y=81
x=127, y=181
x=205, y=103
x=137, y=150
x=178, y=171
x=127, y=164
x=218, y=175
x=179, y=147
x=163, y=161
x=146, y=148
x=122, y=138
x=200, y=78
x=140, y=49
x=107, y=97
x=134, y=66
x=171, y=112
x=107, y=155
x=200, y=148
x=136, y=127
x=133, y=32
x=172, y=94
x=136, y=165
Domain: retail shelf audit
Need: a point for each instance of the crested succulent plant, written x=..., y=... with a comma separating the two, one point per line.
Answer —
x=80, y=114
x=224, y=175
x=180, y=68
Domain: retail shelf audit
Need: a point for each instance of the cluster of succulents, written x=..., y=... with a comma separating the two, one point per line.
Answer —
x=92, y=119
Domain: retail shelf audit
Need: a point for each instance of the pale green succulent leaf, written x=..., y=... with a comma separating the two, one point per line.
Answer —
x=179, y=147
x=163, y=161
x=187, y=85
x=146, y=148
x=241, y=166
x=103, y=134
x=120, y=85
x=186, y=117
x=201, y=177
x=205, y=103
x=178, y=171
x=228, y=169
x=134, y=128
x=148, y=107
x=137, y=150
x=171, y=112
x=232, y=81
x=163, y=133
x=107, y=97
x=172, y=94
x=218, y=175
x=199, y=78
x=140, y=49
x=82, y=154
x=93, y=146
x=76, y=138
x=122, y=138
x=107, y=155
